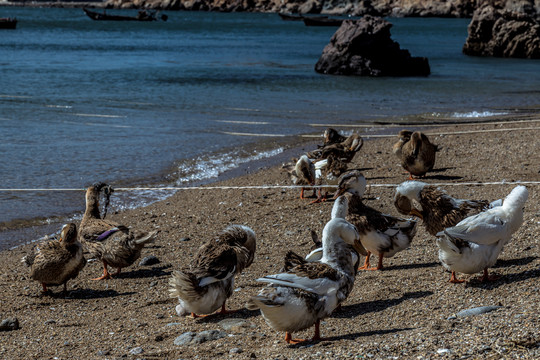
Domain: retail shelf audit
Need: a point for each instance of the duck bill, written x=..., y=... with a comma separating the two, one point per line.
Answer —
x=338, y=193
x=359, y=248
x=416, y=213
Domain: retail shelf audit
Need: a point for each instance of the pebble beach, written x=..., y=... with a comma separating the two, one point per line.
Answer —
x=408, y=310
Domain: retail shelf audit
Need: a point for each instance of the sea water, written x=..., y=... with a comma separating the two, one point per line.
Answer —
x=175, y=102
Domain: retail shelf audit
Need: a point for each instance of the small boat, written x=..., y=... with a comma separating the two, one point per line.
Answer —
x=321, y=21
x=290, y=17
x=8, y=23
x=143, y=15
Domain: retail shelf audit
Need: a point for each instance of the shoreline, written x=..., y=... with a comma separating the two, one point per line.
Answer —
x=39, y=228
x=405, y=311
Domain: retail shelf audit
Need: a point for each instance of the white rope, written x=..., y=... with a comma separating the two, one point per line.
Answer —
x=258, y=187
x=448, y=122
x=441, y=133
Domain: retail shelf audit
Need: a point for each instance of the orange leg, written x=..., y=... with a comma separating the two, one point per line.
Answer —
x=317, y=334
x=319, y=197
x=106, y=274
x=302, y=194
x=379, y=264
x=454, y=279
x=290, y=340
x=224, y=311
x=366, y=262
x=485, y=277
x=117, y=272
x=44, y=287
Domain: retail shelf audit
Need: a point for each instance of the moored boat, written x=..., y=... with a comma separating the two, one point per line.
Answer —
x=8, y=23
x=143, y=15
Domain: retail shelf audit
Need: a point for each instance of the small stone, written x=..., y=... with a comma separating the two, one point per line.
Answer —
x=235, y=351
x=158, y=338
x=149, y=260
x=208, y=335
x=136, y=351
x=184, y=339
x=443, y=351
x=50, y=322
x=185, y=239
x=230, y=324
x=9, y=324
x=103, y=352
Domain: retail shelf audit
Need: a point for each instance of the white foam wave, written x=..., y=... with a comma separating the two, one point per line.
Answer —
x=213, y=166
x=476, y=114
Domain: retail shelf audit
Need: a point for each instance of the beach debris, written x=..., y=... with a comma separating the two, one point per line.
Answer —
x=136, y=351
x=149, y=260
x=193, y=338
x=9, y=324
x=477, y=311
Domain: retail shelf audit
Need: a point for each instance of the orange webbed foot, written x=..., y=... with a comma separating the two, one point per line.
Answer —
x=454, y=279
x=290, y=340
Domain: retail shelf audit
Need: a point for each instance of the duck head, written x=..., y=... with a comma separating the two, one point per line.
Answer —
x=408, y=194
x=353, y=182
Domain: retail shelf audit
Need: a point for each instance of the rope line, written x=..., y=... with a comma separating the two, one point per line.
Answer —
x=258, y=187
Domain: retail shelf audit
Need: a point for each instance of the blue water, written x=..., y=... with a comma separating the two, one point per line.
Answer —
x=151, y=103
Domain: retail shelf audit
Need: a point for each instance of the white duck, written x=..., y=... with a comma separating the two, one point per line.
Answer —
x=434, y=206
x=209, y=282
x=302, y=296
x=474, y=244
x=380, y=234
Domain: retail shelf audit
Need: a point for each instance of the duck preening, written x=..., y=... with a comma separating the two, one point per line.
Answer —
x=474, y=244
x=434, y=206
x=415, y=152
x=208, y=283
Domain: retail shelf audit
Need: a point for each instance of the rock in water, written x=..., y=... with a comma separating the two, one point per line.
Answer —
x=364, y=47
x=501, y=33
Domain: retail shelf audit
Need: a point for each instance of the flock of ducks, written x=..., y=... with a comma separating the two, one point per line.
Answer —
x=470, y=235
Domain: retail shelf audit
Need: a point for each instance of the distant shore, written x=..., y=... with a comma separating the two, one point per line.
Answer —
x=405, y=311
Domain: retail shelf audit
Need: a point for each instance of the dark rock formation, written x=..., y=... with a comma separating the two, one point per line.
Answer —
x=395, y=8
x=502, y=33
x=364, y=47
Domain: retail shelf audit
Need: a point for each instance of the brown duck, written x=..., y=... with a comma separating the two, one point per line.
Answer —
x=112, y=243
x=55, y=262
x=416, y=152
x=208, y=283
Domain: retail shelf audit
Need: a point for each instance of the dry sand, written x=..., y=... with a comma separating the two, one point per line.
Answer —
x=405, y=311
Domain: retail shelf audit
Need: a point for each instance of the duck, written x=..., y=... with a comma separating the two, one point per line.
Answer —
x=332, y=136
x=303, y=173
x=416, y=152
x=345, y=150
x=327, y=172
x=208, y=283
x=339, y=210
x=434, y=206
x=113, y=243
x=302, y=296
x=57, y=261
x=474, y=244
x=380, y=234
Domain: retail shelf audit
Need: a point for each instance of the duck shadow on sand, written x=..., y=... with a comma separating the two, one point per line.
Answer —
x=81, y=294
x=506, y=279
x=411, y=266
x=354, y=310
x=241, y=313
x=145, y=273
